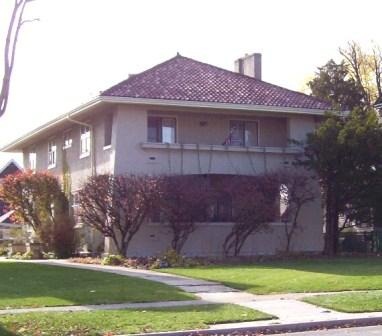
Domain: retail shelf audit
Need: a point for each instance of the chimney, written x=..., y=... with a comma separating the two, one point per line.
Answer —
x=249, y=65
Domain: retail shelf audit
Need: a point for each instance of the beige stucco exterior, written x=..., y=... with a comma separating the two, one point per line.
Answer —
x=200, y=133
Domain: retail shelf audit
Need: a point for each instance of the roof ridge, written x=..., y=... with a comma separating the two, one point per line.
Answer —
x=142, y=73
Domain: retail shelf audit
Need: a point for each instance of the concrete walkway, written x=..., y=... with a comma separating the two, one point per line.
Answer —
x=285, y=307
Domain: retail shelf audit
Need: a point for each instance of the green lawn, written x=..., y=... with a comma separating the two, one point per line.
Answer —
x=316, y=275
x=32, y=285
x=349, y=302
x=125, y=321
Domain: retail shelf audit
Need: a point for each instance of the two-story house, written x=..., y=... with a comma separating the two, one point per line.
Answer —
x=185, y=117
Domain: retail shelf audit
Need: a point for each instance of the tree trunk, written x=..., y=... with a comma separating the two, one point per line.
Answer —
x=331, y=223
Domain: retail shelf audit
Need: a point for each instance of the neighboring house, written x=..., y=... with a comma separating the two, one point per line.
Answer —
x=6, y=222
x=185, y=117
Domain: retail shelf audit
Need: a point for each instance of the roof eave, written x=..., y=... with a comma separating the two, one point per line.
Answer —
x=186, y=103
x=18, y=143
x=15, y=145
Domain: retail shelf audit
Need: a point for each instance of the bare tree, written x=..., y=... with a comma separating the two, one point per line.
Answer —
x=184, y=201
x=118, y=205
x=15, y=24
x=296, y=190
x=366, y=69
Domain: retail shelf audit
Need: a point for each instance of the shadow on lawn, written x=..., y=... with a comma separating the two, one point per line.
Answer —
x=27, y=285
x=346, y=266
x=6, y=332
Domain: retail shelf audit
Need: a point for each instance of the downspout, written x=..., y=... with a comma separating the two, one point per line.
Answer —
x=92, y=142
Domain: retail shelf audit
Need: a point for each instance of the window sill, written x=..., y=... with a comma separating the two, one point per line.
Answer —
x=66, y=147
x=106, y=147
x=51, y=166
x=84, y=155
x=221, y=148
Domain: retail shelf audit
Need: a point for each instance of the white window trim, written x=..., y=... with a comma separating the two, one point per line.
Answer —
x=106, y=147
x=247, y=120
x=34, y=161
x=164, y=116
x=82, y=136
x=63, y=139
x=84, y=155
x=54, y=164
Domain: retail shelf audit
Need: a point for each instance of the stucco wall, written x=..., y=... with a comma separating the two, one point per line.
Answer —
x=130, y=153
x=131, y=132
x=133, y=157
x=80, y=168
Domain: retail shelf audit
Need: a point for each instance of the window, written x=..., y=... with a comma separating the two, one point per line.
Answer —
x=243, y=133
x=32, y=160
x=67, y=140
x=220, y=210
x=161, y=129
x=108, y=129
x=284, y=202
x=76, y=207
x=52, y=154
x=85, y=141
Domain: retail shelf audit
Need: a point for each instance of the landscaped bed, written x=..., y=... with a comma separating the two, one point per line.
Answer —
x=125, y=321
x=358, y=302
x=305, y=275
x=32, y=285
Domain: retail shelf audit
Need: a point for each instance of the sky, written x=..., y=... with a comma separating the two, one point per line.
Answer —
x=80, y=47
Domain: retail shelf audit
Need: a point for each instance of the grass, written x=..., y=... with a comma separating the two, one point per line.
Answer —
x=125, y=321
x=314, y=275
x=363, y=302
x=32, y=285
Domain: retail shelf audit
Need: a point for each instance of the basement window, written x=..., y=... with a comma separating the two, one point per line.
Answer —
x=162, y=130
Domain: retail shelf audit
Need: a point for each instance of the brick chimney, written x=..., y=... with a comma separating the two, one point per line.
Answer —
x=249, y=65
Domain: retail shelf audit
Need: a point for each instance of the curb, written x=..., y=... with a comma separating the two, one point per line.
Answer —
x=274, y=328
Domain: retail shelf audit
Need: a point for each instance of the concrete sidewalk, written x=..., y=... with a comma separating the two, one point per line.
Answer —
x=285, y=307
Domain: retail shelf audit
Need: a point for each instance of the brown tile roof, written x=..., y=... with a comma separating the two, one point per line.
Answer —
x=182, y=78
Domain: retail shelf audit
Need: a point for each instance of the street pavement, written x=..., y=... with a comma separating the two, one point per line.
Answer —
x=359, y=331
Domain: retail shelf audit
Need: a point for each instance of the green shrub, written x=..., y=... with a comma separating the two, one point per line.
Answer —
x=113, y=260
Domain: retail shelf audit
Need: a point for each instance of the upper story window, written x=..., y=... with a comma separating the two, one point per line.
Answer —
x=52, y=154
x=161, y=129
x=67, y=140
x=32, y=160
x=108, y=129
x=85, y=141
x=243, y=133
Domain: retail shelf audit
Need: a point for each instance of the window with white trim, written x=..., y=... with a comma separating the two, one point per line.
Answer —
x=85, y=141
x=67, y=140
x=32, y=160
x=52, y=154
x=284, y=202
x=161, y=129
x=243, y=133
